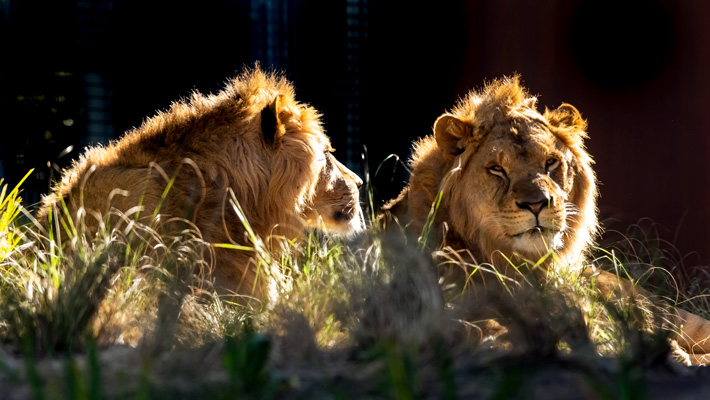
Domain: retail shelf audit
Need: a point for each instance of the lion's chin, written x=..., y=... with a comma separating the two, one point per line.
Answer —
x=354, y=226
x=537, y=242
x=339, y=225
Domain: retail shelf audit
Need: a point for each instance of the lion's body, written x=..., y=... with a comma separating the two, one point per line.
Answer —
x=253, y=139
x=515, y=186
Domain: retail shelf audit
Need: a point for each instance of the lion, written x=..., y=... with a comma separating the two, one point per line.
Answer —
x=252, y=142
x=506, y=184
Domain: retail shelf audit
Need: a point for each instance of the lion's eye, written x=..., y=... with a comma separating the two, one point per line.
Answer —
x=551, y=163
x=496, y=170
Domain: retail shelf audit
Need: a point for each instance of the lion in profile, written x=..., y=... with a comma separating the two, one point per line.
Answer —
x=252, y=142
x=506, y=184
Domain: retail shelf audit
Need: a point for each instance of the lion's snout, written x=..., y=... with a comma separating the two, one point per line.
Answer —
x=345, y=214
x=336, y=207
x=534, y=207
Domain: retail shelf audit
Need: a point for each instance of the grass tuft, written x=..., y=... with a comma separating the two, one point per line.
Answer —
x=128, y=312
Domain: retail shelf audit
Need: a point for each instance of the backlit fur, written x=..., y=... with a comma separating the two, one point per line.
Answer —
x=492, y=154
x=252, y=138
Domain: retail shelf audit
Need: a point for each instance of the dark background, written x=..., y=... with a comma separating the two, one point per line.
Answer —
x=75, y=73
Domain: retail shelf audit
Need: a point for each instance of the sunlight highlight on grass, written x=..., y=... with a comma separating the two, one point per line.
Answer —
x=381, y=299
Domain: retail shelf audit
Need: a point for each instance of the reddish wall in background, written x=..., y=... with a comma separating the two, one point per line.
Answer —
x=381, y=72
x=650, y=136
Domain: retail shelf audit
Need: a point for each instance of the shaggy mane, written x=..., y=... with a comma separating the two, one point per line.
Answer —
x=498, y=102
x=498, y=99
x=211, y=144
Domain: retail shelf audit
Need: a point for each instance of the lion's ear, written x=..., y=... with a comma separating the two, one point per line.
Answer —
x=271, y=127
x=449, y=132
x=566, y=116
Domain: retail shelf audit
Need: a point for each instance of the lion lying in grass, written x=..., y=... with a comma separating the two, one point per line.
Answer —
x=252, y=142
x=507, y=185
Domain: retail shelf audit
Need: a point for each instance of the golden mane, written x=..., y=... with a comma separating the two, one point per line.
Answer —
x=458, y=136
x=252, y=138
x=497, y=162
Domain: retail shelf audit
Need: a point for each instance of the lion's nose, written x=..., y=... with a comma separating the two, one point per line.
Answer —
x=345, y=170
x=534, y=207
x=356, y=179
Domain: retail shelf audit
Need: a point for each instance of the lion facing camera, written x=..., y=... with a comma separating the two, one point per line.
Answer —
x=501, y=183
x=252, y=142
x=514, y=183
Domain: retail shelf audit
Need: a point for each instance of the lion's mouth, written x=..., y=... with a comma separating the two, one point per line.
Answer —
x=538, y=230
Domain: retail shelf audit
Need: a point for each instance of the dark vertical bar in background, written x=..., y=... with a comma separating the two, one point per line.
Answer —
x=80, y=72
x=356, y=22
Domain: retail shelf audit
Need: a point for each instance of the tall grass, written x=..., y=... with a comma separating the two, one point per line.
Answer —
x=358, y=317
x=9, y=211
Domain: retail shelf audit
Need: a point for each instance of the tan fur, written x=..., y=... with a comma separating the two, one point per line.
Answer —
x=514, y=184
x=284, y=176
x=500, y=126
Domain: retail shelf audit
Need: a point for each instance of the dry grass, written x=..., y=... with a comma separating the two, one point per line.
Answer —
x=123, y=313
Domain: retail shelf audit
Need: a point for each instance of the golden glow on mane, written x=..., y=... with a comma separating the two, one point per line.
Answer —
x=441, y=162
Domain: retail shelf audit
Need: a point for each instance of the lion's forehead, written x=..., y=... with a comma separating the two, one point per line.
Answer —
x=516, y=146
x=314, y=136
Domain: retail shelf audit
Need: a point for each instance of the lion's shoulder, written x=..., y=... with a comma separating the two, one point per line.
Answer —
x=412, y=206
